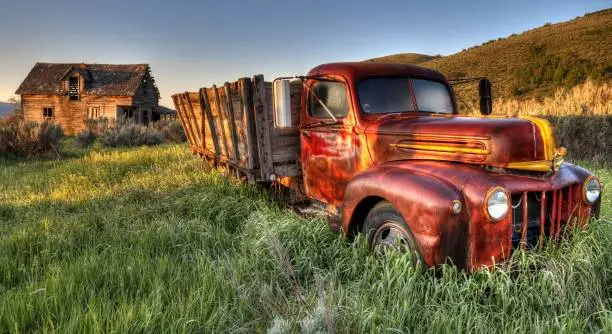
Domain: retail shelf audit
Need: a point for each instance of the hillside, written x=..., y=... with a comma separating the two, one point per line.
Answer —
x=534, y=63
x=409, y=58
x=5, y=108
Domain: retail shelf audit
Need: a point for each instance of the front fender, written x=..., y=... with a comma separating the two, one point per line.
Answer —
x=424, y=202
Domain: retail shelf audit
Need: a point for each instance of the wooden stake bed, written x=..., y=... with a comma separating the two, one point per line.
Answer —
x=233, y=126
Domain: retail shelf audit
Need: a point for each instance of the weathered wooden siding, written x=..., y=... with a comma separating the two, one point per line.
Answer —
x=285, y=142
x=71, y=115
x=146, y=95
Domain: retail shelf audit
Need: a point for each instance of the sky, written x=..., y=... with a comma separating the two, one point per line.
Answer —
x=192, y=44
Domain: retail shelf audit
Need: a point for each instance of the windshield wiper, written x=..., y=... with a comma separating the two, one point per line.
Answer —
x=387, y=115
x=443, y=111
x=318, y=124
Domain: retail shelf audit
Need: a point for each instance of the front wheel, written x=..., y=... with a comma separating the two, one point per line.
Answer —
x=386, y=230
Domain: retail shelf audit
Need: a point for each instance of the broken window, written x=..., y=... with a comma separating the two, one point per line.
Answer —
x=330, y=95
x=94, y=113
x=47, y=113
x=73, y=88
x=145, y=86
x=128, y=113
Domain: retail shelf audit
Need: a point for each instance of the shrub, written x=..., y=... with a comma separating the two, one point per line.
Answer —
x=85, y=138
x=23, y=138
x=126, y=133
x=585, y=137
x=172, y=130
x=93, y=129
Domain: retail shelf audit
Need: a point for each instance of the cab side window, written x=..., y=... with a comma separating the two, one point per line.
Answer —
x=332, y=94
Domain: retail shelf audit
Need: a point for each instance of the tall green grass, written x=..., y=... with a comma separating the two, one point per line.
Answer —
x=147, y=239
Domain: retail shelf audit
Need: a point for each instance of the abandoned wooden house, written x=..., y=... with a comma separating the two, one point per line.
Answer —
x=69, y=94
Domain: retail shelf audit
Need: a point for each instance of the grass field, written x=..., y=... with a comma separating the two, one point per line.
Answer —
x=135, y=240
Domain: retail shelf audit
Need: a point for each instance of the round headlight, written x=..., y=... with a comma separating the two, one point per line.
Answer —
x=497, y=203
x=591, y=189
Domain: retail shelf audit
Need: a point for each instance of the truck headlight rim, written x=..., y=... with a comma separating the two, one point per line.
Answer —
x=591, y=190
x=456, y=207
x=501, y=199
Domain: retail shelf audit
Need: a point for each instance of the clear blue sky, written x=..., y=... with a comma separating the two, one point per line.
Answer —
x=190, y=44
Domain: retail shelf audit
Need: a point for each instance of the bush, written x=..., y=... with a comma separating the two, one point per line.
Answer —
x=93, y=129
x=585, y=137
x=126, y=133
x=172, y=130
x=23, y=138
x=85, y=138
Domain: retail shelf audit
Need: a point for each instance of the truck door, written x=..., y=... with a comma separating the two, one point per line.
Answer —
x=327, y=145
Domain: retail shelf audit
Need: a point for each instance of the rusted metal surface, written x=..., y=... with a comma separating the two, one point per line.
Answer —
x=420, y=162
x=423, y=190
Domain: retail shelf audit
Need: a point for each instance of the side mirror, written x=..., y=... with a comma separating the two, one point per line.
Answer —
x=486, y=99
x=282, y=103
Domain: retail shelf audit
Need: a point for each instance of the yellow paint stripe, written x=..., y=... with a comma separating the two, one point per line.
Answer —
x=546, y=132
x=432, y=136
x=443, y=148
x=533, y=166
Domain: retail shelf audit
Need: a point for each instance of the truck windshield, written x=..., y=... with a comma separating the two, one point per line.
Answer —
x=393, y=95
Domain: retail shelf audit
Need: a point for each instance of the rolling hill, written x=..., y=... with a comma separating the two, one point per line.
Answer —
x=534, y=63
x=409, y=58
x=5, y=108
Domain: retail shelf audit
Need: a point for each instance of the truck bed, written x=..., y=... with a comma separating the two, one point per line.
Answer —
x=233, y=126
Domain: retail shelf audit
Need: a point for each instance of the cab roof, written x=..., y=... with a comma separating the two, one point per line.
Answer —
x=359, y=70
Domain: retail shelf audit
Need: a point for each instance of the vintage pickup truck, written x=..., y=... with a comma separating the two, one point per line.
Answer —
x=382, y=148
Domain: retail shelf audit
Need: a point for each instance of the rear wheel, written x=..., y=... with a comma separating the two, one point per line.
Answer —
x=386, y=230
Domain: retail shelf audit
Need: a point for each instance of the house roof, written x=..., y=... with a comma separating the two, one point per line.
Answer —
x=101, y=79
x=163, y=110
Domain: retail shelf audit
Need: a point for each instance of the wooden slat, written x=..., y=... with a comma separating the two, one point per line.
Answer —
x=241, y=127
x=210, y=121
x=181, y=112
x=262, y=123
x=233, y=125
x=220, y=123
x=195, y=124
x=227, y=131
x=246, y=103
x=189, y=118
x=194, y=98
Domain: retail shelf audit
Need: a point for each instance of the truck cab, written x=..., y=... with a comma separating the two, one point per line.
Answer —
x=383, y=145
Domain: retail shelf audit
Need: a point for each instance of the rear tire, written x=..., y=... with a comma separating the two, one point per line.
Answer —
x=386, y=229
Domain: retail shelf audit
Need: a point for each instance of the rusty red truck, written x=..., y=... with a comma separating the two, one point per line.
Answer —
x=383, y=149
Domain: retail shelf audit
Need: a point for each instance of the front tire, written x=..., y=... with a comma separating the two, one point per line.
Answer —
x=386, y=230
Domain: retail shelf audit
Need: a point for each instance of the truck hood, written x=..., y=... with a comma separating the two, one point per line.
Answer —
x=516, y=143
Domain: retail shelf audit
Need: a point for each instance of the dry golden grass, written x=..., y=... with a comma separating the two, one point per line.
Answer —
x=587, y=99
x=581, y=117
